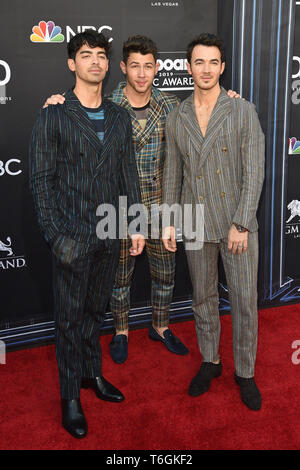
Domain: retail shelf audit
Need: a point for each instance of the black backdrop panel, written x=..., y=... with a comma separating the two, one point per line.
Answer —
x=32, y=70
x=292, y=219
x=260, y=69
x=259, y=36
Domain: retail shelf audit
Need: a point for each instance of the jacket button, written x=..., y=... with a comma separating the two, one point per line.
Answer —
x=199, y=177
x=223, y=194
x=224, y=149
x=200, y=198
x=218, y=171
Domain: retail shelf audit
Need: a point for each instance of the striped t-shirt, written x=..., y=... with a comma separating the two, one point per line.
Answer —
x=96, y=115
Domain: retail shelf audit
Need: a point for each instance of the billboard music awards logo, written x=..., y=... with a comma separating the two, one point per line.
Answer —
x=8, y=259
x=48, y=32
x=293, y=222
x=172, y=73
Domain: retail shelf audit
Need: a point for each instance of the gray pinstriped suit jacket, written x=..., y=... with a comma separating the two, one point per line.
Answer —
x=224, y=171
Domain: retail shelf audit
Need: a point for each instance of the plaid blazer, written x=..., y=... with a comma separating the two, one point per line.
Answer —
x=150, y=143
x=72, y=172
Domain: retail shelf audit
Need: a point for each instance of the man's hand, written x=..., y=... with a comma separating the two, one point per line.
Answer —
x=237, y=241
x=168, y=238
x=137, y=244
x=230, y=93
x=54, y=99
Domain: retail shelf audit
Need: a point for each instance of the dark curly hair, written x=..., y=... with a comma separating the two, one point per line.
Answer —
x=90, y=37
x=206, y=39
x=140, y=44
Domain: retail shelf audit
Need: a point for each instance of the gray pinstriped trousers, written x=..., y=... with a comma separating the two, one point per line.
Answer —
x=83, y=283
x=241, y=276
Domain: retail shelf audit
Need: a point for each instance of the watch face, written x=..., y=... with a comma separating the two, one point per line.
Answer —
x=240, y=228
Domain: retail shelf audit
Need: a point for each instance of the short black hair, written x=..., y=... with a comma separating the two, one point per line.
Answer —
x=206, y=39
x=140, y=44
x=90, y=37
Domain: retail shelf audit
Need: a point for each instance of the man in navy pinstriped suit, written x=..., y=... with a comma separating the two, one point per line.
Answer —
x=215, y=157
x=82, y=156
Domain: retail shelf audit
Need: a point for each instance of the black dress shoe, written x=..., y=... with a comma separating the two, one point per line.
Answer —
x=171, y=341
x=103, y=389
x=119, y=348
x=201, y=382
x=73, y=419
x=250, y=394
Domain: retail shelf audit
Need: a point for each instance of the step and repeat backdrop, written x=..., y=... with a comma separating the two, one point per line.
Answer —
x=263, y=65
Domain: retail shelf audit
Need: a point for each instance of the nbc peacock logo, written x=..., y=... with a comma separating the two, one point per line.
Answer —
x=294, y=146
x=47, y=32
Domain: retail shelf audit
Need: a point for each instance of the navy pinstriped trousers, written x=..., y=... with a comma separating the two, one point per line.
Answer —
x=83, y=282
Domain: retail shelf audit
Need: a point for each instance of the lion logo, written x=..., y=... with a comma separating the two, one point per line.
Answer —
x=6, y=247
x=294, y=207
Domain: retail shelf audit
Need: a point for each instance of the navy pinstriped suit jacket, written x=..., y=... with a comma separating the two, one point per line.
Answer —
x=72, y=172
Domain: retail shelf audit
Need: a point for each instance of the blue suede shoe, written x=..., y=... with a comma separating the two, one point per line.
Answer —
x=171, y=341
x=119, y=348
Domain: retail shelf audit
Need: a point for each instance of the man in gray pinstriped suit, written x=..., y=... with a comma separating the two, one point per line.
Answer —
x=215, y=157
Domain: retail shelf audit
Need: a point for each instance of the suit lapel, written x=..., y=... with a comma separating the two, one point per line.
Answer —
x=141, y=136
x=154, y=115
x=191, y=124
x=74, y=110
x=110, y=120
x=219, y=114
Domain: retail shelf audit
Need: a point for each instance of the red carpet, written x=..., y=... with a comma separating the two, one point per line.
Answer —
x=158, y=413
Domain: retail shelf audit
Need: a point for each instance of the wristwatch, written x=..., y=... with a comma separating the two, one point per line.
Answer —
x=240, y=228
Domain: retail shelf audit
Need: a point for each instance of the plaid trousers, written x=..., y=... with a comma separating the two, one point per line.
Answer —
x=162, y=271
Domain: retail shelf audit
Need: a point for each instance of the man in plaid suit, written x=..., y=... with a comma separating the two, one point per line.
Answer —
x=148, y=108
